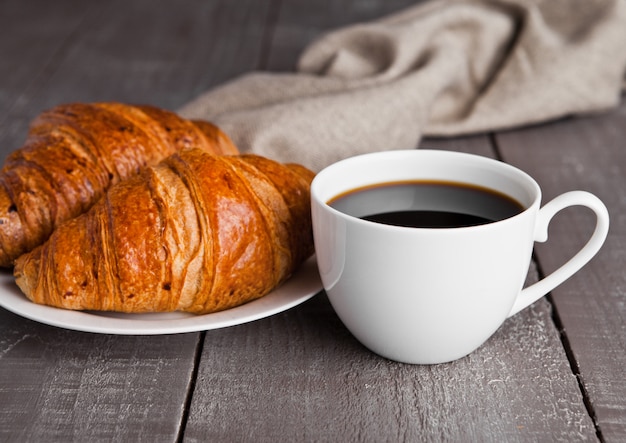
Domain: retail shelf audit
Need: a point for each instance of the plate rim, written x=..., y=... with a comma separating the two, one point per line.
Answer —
x=300, y=287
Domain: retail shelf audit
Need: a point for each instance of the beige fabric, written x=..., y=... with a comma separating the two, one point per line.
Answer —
x=439, y=68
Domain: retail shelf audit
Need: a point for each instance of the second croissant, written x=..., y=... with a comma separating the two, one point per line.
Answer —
x=197, y=233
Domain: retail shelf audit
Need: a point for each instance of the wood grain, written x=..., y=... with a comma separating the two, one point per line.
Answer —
x=301, y=376
x=136, y=52
x=31, y=45
x=586, y=153
x=299, y=22
x=60, y=385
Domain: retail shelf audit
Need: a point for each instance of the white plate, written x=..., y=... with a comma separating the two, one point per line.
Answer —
x=303, y=285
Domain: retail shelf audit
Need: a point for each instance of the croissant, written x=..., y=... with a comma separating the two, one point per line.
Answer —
x=197, y=233
x=74, y=152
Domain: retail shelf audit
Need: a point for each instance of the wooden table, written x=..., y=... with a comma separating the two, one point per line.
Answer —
x=555, y=372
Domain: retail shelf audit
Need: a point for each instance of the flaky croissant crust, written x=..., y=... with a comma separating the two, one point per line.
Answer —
x=74, y=152
x=197, y=233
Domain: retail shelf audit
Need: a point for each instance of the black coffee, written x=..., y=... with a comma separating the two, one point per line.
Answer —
x=427, y=204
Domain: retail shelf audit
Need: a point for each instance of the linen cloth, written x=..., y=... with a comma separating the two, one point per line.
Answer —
x=438, y=68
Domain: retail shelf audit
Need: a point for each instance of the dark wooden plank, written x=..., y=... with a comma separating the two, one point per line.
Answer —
x=299, y=22
x=301, y=376
x=60, y=385
x=162, y=53
x=586, y=153
x=478, y=144
x=33, y=35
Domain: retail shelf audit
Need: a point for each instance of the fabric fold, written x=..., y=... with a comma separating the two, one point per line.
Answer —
x=439, y=68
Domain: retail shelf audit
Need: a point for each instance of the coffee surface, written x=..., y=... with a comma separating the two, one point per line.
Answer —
x=427, y=204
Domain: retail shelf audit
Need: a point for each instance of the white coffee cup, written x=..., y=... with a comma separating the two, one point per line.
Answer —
x=432, y=295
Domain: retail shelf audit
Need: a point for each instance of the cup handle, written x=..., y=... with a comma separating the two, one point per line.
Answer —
x=534, y=292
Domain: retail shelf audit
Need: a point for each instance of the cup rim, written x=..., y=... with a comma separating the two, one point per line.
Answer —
x=513, y=173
